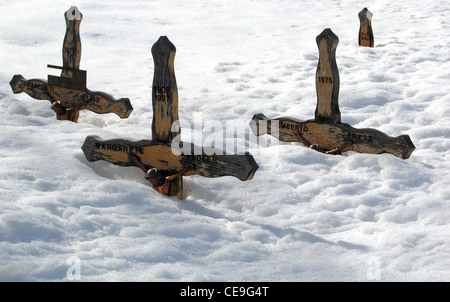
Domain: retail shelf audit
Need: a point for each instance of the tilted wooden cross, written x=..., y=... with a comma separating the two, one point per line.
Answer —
x=163, y=152
x=326, y=133
x=68, y=93
x=365, y=28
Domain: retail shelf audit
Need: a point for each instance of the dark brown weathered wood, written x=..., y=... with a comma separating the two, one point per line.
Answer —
x=72, y=42
x=330, y=136
x=365, y=37
x=69, y=90
x=165, y=100
x=165, y=151
x=36, y=88
x=164, y=91
x=76, y=81
x=96, y=101
x=327, y=79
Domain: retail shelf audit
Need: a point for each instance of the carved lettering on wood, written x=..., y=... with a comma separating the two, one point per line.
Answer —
x=330, y=136
x=165, y=100
x=327, y=79
x=164, y=91
x=365, y=37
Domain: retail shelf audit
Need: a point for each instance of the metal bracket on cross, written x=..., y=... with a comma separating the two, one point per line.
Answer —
x=326, y=133
x=365, y=28
x=68, y=93
x=161, y=158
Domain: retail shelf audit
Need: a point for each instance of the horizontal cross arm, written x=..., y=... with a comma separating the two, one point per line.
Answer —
x=161, y=156
x=330, y=136
x=100, y=102
x=36, y=88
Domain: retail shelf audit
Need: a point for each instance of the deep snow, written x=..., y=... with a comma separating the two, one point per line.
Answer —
x=305, y=216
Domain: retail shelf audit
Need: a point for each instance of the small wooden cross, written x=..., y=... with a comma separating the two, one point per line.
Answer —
x=160, y=158
x=68, y=93
x=365, y=28
x=326, y=133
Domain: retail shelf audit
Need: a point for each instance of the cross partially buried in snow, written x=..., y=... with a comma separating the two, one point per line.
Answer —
x=326, y=133
x=68, y=93
x=163, y=163
x=365, y=37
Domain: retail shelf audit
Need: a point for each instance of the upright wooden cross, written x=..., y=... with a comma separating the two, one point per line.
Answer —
x=163, y=152
x=326, y=133
x=365, y=28
x=68, y=93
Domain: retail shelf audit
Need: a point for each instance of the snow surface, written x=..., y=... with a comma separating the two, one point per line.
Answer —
x=305, y=216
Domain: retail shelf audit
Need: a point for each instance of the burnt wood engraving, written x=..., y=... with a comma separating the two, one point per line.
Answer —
x=161, y=157
x=68, y=93
x=327, y=79
x=329, y=135
x=365, y=37
x=164, y=91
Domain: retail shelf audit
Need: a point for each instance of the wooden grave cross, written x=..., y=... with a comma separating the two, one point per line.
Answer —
x=68, y=93
x=326, y=133
x=365, y=37
x=160, y=153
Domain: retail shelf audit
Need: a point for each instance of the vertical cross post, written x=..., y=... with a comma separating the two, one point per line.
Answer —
x=365, y=37
x=71, y=52
x=164, y=91
x=72, y=41
x=165, y=100
x=327, y=79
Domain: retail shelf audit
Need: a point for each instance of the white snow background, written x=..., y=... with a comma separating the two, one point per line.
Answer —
x=305, y=216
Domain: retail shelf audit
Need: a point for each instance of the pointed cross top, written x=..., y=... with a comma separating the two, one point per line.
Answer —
x=163, y=47
x=328, y=35
x=365, y=13
x=73, y=14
